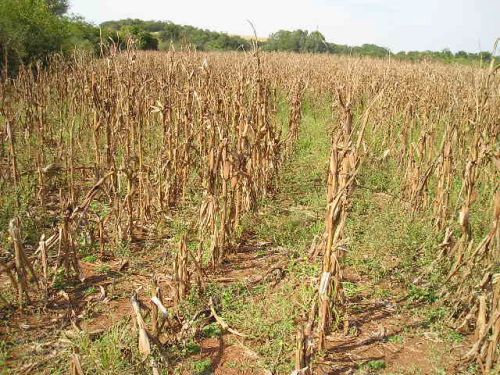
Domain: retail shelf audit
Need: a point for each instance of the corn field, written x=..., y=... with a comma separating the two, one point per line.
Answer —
x=102, y=153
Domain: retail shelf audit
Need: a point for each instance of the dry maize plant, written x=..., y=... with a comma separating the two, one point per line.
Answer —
x=344, y=163
x=441, y=140
x=471, y=286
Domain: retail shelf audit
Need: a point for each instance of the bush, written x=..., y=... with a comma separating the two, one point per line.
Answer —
x=33, y=29
x=28, y=31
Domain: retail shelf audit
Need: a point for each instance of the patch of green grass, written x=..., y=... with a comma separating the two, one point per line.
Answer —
x=350, y=289
x=421, y=294
x=4, y=355
x=434, y=315
x=386, y=241
x=192, y=303
x=231, y=297
x=90, y=290
x=455, y=336
x=20, y=203
x=123, y=249
x=353, y=331
x=179, y=227
x=191, y=347
x=379, y=178
x=212, y=330
x=103, y=268
x=115, y=352
x=381, y=292
x=396, y=339
x=102, y=209
x=267, y=315
x=61, y=281
x=303, y=268
x=270, y=317
x=90, y=258
x=473, y=369
x=290, y=229
x=369, y=266
x=202, y=367
x=377, y=364
x=86, y=249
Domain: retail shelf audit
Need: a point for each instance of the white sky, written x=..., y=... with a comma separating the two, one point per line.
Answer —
x=468, y=25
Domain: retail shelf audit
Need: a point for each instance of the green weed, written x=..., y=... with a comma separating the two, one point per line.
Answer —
x=115, y=352
x=378, y=364
x=202, y=367
x=421, y=294
x=4, y=355
x=396, y=339
x=212, y=330
x=90, y=258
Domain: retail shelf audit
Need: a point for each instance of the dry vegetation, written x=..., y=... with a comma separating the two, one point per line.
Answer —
x=132, y=188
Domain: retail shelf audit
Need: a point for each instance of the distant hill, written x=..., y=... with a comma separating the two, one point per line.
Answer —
x=168, y=33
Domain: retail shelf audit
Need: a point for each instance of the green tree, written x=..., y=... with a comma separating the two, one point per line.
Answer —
x=57, y=7
x=283, y=40
x=163, y=33
x=371, y=50
x=147, y=41
x=81, y=35
x=315, y=42
x=339, y=49
x=446, y=54
x=144, y=39
x=29, y=30
x=485, y=56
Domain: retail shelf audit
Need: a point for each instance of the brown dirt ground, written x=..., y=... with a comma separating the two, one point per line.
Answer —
x=373, y=319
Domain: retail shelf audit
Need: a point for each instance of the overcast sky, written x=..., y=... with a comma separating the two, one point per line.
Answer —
x=467, y=25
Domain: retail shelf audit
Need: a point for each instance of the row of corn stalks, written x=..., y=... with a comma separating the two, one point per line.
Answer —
x=110, y=150
x=442, y=146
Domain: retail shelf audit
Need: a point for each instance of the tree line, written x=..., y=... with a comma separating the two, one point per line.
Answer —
x=33, y=29
x=315, y=42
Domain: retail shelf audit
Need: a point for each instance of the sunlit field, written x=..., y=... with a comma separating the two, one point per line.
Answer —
x=249, y=213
